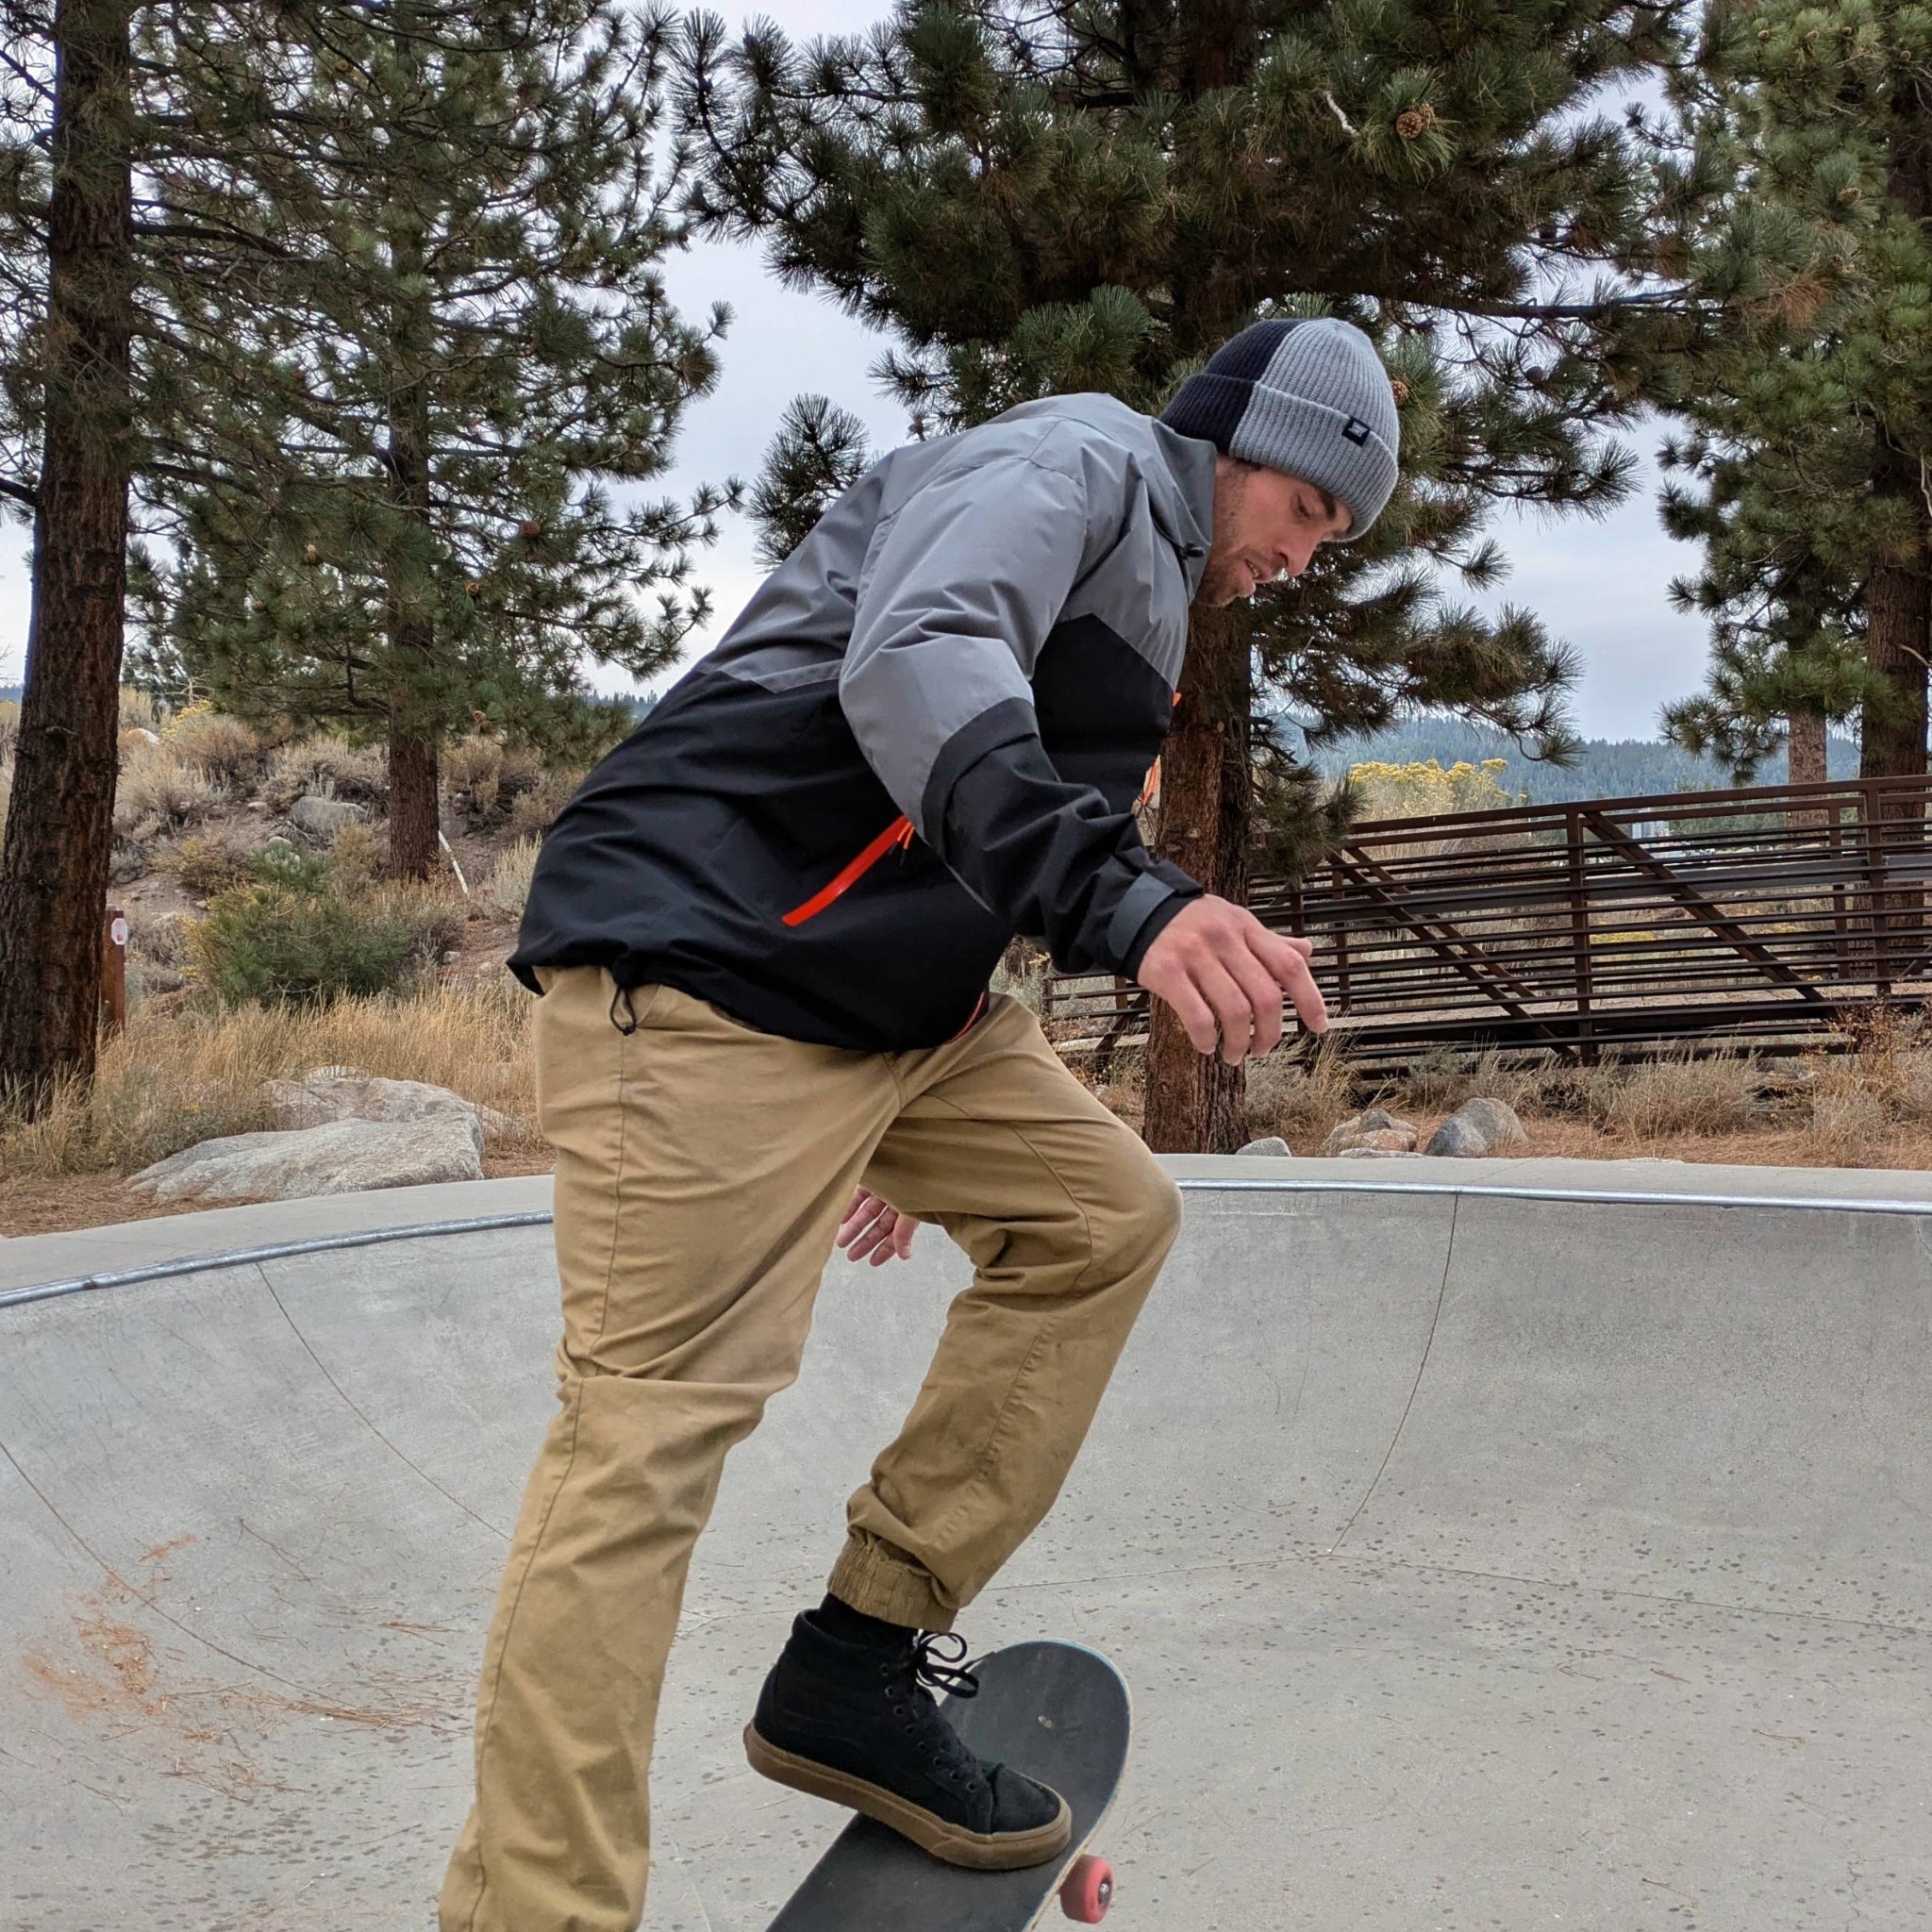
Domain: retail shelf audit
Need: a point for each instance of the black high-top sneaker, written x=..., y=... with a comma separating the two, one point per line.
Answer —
x=853, y=1719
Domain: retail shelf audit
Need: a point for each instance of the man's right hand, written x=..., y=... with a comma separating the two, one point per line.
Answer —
x=1223, y=973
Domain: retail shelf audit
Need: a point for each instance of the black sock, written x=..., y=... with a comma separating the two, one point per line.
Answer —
x=838, y=1619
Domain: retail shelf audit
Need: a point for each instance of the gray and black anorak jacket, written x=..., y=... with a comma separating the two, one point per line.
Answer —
x=926, y=732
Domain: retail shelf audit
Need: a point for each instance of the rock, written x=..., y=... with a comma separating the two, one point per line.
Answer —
x=347, y=1094
x=337, y=1158
x=1460, y=1138
x=1496, y=1120
x=343, y=1093
x=1476, y=1128
x=1376, y=1130
x=1274, y=1144
x=321, y=819
x=1378, y=1154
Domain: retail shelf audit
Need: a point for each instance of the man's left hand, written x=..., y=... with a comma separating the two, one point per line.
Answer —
x=875, y=1230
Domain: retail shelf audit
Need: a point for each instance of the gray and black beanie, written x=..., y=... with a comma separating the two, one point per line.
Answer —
x=1307, y=397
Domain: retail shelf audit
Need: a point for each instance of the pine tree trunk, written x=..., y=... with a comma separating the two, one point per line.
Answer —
x=61, y=822
x=1196, y=1103
x=413, y=740
x=413, y=818
x=1898, y=634
x=1805, y=748
x=1898, y=598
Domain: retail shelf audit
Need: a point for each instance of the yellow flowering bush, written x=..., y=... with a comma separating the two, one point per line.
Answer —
x=1425, y=788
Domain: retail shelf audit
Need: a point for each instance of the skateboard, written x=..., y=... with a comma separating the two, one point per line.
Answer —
x=1058, y=1712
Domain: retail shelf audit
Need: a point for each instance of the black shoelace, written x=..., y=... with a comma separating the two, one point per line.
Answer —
x=946, y=1671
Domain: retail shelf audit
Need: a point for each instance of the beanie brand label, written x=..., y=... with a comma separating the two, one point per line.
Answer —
x=1356, y=430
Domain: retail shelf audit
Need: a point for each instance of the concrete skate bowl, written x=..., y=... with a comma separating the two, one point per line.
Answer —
x=1550, y=1550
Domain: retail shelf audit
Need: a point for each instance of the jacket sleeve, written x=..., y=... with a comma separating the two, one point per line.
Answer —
x=960, y=589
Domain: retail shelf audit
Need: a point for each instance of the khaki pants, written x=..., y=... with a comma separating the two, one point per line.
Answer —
x=702, y=1169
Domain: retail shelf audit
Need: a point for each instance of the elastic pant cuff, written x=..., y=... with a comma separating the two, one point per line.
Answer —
x=873, y=1577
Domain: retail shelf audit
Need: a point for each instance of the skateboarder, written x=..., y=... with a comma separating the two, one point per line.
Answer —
x=762, y=932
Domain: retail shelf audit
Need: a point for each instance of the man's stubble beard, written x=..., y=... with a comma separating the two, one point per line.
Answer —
x=1221, y=580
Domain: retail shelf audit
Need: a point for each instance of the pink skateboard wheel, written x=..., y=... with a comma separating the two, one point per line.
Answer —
x=1087, y=1891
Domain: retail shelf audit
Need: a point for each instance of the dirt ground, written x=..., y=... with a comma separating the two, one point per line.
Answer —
x=100, y=1200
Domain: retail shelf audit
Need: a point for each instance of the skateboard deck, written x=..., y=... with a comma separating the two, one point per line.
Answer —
x=1058, y=1712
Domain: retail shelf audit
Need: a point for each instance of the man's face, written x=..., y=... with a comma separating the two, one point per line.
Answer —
x=1266, y=525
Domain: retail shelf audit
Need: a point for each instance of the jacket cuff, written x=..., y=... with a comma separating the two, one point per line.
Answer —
x=1147, y=908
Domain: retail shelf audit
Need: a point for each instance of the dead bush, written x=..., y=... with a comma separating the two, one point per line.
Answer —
x=137, y=710
x=220, y=747
x=472, y=772
x=509, y=884
x=9, y=730
x=1021, y=975
x=1439, y=1082
x=532, y=813
x=1677, y=1094
x=327, y=765
x=156, y=793
x=205, y=863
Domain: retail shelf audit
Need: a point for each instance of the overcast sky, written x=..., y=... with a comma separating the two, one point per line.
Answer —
x=1600, y=586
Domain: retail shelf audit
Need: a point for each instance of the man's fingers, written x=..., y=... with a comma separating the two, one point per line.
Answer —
x=1287, y=958
x=1263, y=993
x=875, y=1231
x=1234, y=1015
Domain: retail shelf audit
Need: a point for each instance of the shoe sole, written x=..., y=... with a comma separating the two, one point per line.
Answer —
x=952, y=1844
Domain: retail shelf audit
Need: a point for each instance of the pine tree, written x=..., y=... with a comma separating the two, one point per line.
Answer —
x=1806, y=199
x=1072, y=196
x=71, y=213
x=400, y=518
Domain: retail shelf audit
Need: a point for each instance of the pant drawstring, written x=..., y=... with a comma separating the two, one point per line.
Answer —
x=629, y=1024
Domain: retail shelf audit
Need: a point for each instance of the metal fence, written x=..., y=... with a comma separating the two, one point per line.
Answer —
x=1761, y=917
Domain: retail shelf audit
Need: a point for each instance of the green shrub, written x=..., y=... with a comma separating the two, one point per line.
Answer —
x=273, y=943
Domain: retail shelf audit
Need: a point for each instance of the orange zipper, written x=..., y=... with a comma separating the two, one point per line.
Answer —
x=898, y=833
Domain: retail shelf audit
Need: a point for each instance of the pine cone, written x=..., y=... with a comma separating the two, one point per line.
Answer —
x=530, y=527
x=1401, y=390
x=312, y=554
x=1416, y=122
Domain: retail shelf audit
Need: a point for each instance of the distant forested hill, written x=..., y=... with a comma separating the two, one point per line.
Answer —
x=1620, y=768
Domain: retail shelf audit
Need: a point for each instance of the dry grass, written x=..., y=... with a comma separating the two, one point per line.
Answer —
x=1301, y=1099
x=1678, y=1095
x=176, y=1078
x=509, y=884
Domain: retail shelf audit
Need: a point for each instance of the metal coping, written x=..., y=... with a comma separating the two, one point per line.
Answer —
x=1198, y=1184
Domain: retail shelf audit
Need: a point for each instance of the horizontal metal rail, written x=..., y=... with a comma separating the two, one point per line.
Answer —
x=1766, y=917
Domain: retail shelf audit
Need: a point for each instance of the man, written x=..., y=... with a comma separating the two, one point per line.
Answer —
x=763, y=931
